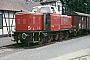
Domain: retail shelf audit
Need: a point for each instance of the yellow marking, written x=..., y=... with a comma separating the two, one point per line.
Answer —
x=39, y=36
x=33, y=36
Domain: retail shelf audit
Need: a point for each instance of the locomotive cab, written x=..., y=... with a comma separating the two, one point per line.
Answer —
x=45, y=9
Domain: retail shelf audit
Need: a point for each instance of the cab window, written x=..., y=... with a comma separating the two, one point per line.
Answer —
x=44, y=10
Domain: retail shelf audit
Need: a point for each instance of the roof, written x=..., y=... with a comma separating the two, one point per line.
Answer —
x=44, y=6
x=76, y=14
x=47, y=1
x=17, y=5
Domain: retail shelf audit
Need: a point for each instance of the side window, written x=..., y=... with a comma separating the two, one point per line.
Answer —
x=1, y=21
x=18, y=21
x=44, y=10
x=35, y=9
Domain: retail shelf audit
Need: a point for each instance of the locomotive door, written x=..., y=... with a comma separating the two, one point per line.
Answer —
x=47, y=22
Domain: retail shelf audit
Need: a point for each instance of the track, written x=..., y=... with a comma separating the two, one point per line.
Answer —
x=23, y=46
x=14, y=48
x=34, y=45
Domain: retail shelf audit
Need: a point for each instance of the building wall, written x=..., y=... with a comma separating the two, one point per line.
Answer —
x=7, y=22
x=57, y=4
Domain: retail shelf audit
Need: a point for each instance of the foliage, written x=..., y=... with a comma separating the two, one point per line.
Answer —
x=77, y=5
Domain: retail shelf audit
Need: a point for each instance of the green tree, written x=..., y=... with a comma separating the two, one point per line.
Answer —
x=77, y=5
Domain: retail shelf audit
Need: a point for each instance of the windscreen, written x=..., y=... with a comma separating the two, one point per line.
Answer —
x=44, y=10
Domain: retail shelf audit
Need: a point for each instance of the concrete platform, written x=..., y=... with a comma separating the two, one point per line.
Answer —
x=79, y=55
x=6, y=41
x=74, y=49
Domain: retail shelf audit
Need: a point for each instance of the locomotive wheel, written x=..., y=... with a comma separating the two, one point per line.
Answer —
x=66, y=35
x=79, y=33
x=56, y=37
x=22, y=41
x=86, y=32
x=50, y=38
x=41, y=41
x=61, y=37
x=75, y=33
x=26, y=42
x=16, y=39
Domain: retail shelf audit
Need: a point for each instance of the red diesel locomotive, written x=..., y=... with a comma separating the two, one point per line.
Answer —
x=43, y=26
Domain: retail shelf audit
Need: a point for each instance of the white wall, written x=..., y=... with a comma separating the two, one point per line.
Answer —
x=0, y=31
x=60, y=4
x=8, y=22
x=56, y=5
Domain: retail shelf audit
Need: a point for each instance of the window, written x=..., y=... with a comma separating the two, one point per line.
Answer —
x=1, y=21
x=53, y=10
x=18, y=21
x=44, y=10
x=24, y=21
x=53, y=4
x=58, y=7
